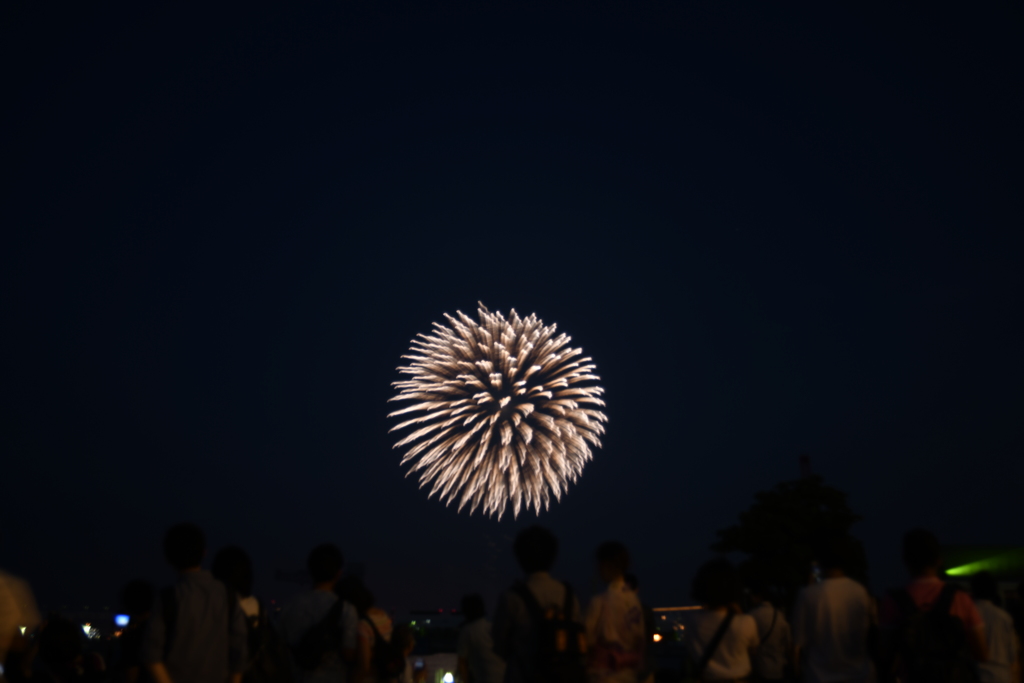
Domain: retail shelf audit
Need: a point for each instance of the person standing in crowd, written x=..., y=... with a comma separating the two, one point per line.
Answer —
x=832, y=620
x=516, y=626
x=773, y=633
x=405, y=640
x=650, y=624
x=61, y=654
x=720, y=641
x=614, y=622
x=477, y=661
x=268, y=655
x=322, y=615
x=197, y=632
x=374, y=626
x=137, y=600
x=17, y=610
x=232, y=566
x=1001, y=639
x=931, y=631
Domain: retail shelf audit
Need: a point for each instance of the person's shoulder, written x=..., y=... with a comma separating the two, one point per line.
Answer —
x=513, y=594
x=857, y=588
x=1002, y=615
x=477, y=628
x=759, y=609
x=843, y=588
x=853, y=584
x=307, y=599
x=302, y=598
x=744, y=620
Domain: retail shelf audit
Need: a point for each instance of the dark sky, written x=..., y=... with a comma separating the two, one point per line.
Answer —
x=776, y=232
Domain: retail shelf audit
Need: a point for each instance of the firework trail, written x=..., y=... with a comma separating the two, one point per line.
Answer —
x=506, y=411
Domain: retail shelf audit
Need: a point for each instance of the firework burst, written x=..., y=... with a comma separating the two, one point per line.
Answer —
x=506, y=412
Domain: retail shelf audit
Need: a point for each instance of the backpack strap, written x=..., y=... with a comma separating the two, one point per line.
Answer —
x=373, y=626
x=709, y=651
x=768, y=633
x=533, y=607
x=169, y=612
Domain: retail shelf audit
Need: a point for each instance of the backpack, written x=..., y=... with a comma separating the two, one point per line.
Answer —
x=932, y=646
x=387, y=658
x=269, y=658
x=323, y=637
x=560, y=642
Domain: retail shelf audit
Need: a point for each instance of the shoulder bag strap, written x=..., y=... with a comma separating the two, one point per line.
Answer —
x=533, y=607
x=373, y=626
x=768, y=633
x=709, y=651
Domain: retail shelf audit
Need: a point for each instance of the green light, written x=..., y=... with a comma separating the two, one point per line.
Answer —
x=1011, y=561
x=968, y=569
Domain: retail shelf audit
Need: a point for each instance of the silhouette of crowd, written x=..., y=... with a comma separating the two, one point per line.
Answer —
x=209, y=627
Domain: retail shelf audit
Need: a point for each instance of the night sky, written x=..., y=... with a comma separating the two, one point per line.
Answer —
x=776, y=233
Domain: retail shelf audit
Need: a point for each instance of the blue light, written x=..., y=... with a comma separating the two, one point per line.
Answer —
x=121, y=620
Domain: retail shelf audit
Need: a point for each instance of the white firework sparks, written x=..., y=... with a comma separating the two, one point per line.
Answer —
x=507, y=411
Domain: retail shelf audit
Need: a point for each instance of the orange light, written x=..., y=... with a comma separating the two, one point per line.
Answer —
x=657, y=637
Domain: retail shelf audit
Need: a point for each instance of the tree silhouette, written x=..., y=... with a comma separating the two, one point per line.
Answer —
x=778, y=534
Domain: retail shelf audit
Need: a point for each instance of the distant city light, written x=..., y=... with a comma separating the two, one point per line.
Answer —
x=448, y=678
x=121, y=620
x=657, y=637
x=23, y=629
x=86, y=628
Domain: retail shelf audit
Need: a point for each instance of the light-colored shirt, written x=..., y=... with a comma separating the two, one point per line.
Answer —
x=514, y=639
x=770, y=660
x=830, y=624
x=209, y=634
x=1002, y=643
x=476, y=646
x=615, y=635
x=731, y=659
x=304, y=612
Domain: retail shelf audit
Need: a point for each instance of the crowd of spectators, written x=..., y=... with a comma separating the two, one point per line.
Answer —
x=208, y=627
